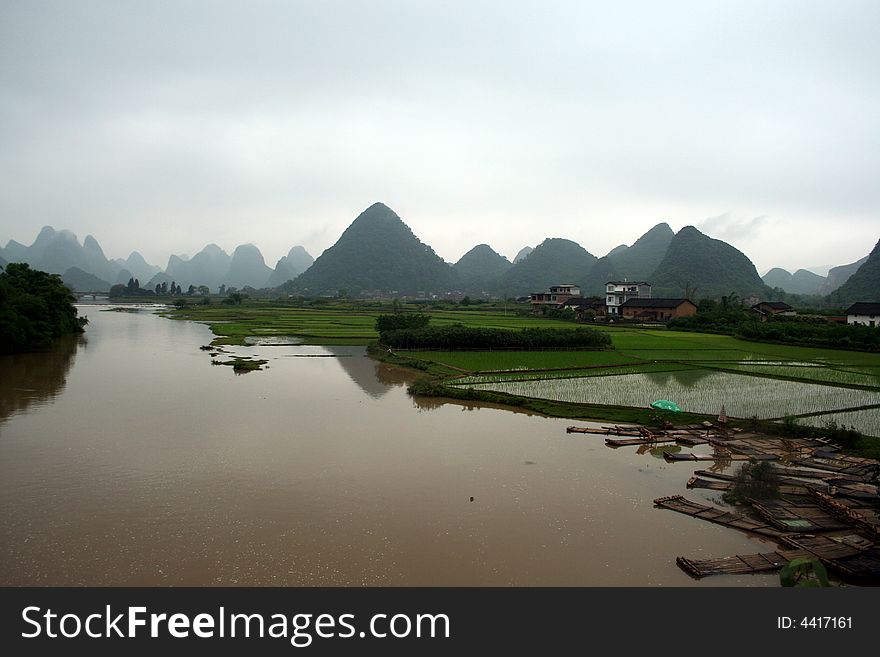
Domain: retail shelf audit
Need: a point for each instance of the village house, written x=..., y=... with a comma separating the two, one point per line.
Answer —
x=657, y=310
x=867, y=314
x=586, y=308
x=619, y=292
x=557, y=296
x=768, y=308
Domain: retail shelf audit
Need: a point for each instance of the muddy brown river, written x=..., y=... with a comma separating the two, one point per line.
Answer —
x=126, y=458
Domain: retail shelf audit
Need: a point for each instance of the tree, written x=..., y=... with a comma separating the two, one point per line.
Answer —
x=204, y=290
x=35, y=308
x=158, y=289
x=191, y=290
x=117, y=290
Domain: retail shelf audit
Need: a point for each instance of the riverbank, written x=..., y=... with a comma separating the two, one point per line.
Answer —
x=827, y=392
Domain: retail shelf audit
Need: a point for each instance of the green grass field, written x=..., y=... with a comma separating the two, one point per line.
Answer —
x=635, y=351
x=335, y=324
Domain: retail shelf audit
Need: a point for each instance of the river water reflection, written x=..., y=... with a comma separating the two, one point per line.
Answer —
x=126, y=458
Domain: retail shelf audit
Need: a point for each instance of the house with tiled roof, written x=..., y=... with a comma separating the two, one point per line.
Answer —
x=767, y=308
x=861, y=312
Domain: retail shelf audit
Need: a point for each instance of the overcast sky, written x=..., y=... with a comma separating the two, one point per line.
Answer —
x=162, y=126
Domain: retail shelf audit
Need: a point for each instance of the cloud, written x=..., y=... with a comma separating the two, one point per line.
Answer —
x=729, y=227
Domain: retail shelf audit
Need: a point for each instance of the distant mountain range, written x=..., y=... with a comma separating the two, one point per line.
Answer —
x=378, y=254
x=85, y=268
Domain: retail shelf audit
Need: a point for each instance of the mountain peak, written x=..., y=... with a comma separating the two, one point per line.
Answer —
x=377, y=252
x=707, y=266
x=522, y=254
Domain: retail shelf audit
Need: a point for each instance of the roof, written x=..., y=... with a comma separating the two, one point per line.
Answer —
x=627, y=283
x=775, y=305
x=655, y=303
x=581, y=301
x=863, y=308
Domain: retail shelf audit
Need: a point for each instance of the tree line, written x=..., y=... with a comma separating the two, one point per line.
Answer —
x=414, y=332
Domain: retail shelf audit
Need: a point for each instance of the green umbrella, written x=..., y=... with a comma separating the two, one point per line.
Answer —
x=666, y=405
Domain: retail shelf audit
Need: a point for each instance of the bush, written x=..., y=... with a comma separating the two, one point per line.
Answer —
x=400, y=321
x=753, y=481
x=458, y=336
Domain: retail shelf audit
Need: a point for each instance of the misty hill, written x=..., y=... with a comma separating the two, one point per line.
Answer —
x=837, y=276
x=600, y=273
x=82, y=281
x=801, y=282
x=3, y=262
x=554, y=261
x=247, y=268
x=57, y=251
x=207, y=267
x=14, y=251
x=479, y=268
x=290, y=266
x=137, y=267
x=713, y=267
x=523, y=252
x=639, y=261
x=123, y=275
x=864, y=285
x=378, y=251
x=158, y=279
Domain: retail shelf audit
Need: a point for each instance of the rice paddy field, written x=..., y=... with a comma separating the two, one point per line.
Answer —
x=700, y=372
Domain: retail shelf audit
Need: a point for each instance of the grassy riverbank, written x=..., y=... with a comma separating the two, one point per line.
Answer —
x=824, y=388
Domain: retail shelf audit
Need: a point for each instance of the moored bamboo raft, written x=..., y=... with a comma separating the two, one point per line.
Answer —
x=789, y=516
x=740, y=564
x=690, y=456
x=846, y=465
x=725, y=485
x=606, y=431
x=699, y=482
x=716, y=515
x=803, y=473
x=624, y=442
x=851, y=555
x=854, y=512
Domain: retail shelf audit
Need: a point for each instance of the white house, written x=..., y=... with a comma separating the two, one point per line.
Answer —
x=863, y=313
x=619, y=292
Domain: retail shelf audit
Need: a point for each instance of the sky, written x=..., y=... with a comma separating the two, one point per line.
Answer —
x=163, y=126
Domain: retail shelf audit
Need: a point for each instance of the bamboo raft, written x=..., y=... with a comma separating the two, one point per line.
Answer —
x=740, y=564
x=690, y=456
x=789, y=516
x=718, y=516
x=847, y=555
x=802, y=473
x=844, y=465
x=626, y=442
x=785, y=489
x=606, y=431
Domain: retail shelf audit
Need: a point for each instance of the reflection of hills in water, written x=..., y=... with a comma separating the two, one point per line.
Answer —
x=374, y=378
x=686, y=378
x=35, y=378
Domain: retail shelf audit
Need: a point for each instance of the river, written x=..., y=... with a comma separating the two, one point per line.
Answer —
x=126, y=458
